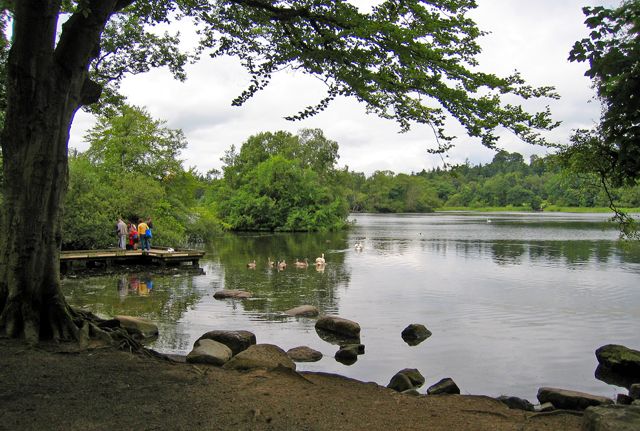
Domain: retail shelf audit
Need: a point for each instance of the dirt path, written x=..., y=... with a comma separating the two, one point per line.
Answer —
x=45, y=388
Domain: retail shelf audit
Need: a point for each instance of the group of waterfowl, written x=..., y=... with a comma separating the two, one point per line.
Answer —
x=282, y=264
x=301, y=264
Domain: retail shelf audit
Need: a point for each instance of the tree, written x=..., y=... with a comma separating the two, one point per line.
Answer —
x=131, y=142
x=612, y=149
x=279, y=181
x=410, y=61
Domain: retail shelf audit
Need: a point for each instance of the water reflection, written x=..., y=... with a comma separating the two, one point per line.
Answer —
x=134, y=285
x=161, y=298
x=275, y=290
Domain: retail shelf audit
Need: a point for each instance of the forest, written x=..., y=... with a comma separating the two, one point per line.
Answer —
x=278, y=181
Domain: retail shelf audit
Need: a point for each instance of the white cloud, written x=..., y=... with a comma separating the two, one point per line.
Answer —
x=533, y=37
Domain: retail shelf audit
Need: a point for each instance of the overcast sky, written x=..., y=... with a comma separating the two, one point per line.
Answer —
x=531, y=36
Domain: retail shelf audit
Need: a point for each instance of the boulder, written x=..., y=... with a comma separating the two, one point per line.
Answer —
x=620, y=359
x=237, y=341
x=207, y=351
x=411, y=392
x=266, y=356
x=415, y=334
x=516, y=403
x=400, y=382
x=417, y=379
x=444, y=386
x=611, y=418
x=303, y=311
x=347, y=355
x=634, y=391
x=304, y=354
x=339, y=325
x=234, y=294
x=138, y=327
x=570, y=400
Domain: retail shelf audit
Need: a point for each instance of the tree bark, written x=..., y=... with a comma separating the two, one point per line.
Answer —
x=45, y=85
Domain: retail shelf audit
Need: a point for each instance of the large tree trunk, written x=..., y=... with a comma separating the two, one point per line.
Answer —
x=46, y=84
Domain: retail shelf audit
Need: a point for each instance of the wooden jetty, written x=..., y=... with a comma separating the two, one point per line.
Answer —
x=155, y=256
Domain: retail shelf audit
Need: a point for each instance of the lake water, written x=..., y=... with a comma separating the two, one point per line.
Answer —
x=515, y=301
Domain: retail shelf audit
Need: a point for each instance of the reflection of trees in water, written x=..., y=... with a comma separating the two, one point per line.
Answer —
x=159, y=298
x=566, y=252
x=507, y=253
x=276, y=291
x=514, y=253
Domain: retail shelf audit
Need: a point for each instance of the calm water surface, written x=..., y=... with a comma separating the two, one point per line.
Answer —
x=514, y=301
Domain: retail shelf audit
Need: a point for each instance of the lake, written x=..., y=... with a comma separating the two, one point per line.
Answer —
x=515, y=301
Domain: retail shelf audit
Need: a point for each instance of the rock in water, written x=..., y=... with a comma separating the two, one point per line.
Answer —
x=399, y=382
x=237, y=341
x=339, y=325
x=303, y=311
x=417, y=379
x=570, y=400
x=415, y=334
x=444, y=386
x=620, y=359
x=234, y=294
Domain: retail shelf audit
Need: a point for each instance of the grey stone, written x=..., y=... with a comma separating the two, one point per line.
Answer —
x=400, y=382
x=347, y=354
x=516, y=403
x=234, y=294
x=138, y=327
x=634, y=391
x=266, y=356
x=570, y=400
x=237, y=341
x=417, y=379
x=207, y=351
x=619, y=359
x=412, y=392
x=415, y=334
x=611, y=418
x=304, y=354
x=339, y=325
x=303, y=311
x=444, y=386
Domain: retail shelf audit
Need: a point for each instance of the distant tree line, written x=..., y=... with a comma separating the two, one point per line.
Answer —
x=508, y=181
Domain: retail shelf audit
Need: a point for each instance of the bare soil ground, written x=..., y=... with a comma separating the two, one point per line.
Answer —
x=60, y=388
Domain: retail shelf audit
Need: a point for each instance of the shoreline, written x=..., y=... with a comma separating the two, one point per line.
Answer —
x=60, y=387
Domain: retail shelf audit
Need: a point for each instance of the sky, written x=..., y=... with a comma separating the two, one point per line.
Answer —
x=533, y=37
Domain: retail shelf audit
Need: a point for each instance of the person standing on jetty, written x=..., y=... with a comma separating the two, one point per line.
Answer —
x=122, y=231
x=145, y=243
